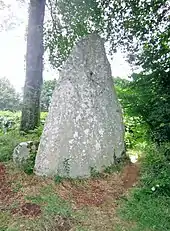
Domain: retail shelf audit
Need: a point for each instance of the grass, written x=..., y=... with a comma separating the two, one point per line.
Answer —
x=148, y=206
x=53, y=207
x=148, y=212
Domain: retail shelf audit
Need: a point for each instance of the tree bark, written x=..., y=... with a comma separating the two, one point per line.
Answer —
x=34, y=66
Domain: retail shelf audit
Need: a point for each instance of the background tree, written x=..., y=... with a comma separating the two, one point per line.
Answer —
x=10, y=19
x=34, y=66
x=9, y=98
x=152, y=102
x=46, y=94
x=145, y=100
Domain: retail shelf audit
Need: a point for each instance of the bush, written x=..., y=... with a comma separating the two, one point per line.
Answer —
x=156, y=170
x=149, y=204
x=9, y=121
x=147, y=212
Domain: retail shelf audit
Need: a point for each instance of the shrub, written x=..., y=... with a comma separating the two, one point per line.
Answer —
x=9, y=121
x=156, y=170
x=148, y=205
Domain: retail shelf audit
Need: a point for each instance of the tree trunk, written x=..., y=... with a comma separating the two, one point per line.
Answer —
x=34, y=66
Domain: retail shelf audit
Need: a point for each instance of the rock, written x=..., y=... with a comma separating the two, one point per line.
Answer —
x=84, y=128
x=23, y=151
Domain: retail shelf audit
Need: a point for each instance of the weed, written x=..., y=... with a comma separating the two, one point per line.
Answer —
x=28, y=165
x=94, y=173
x=66, y=165
x=58, y=179
x=113, y=168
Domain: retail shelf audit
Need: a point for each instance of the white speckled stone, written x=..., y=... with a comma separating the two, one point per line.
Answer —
x=23, y=151
x=84, y=127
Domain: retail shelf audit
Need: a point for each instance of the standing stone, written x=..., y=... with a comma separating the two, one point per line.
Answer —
x=84, y=128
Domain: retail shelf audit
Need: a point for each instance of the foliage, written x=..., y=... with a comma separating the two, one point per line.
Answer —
x=43, y=117
x=147, y=104
x=14, y=119
x=70, y=21
x=10, y=140
x=152, y=33
x=7, y=145
x=152, y=102
x=136, y=127
x=13, y=137
x=152, y=197
x=135, y=25
x=136, y=131
x=14, y=116
x=9, y=18
x=9, y=98
x=46, y=94
x=156, y=170
x=6, y=124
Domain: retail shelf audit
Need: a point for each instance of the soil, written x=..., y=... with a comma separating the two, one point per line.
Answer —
x=130, y=175
x=5, y=190
x=28, y=209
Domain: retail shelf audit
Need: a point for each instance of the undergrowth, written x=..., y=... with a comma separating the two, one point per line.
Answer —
x=10, y=140
x=148, y=205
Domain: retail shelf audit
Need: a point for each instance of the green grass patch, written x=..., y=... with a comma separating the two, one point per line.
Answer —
x=147, y=211
x=4, y=220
